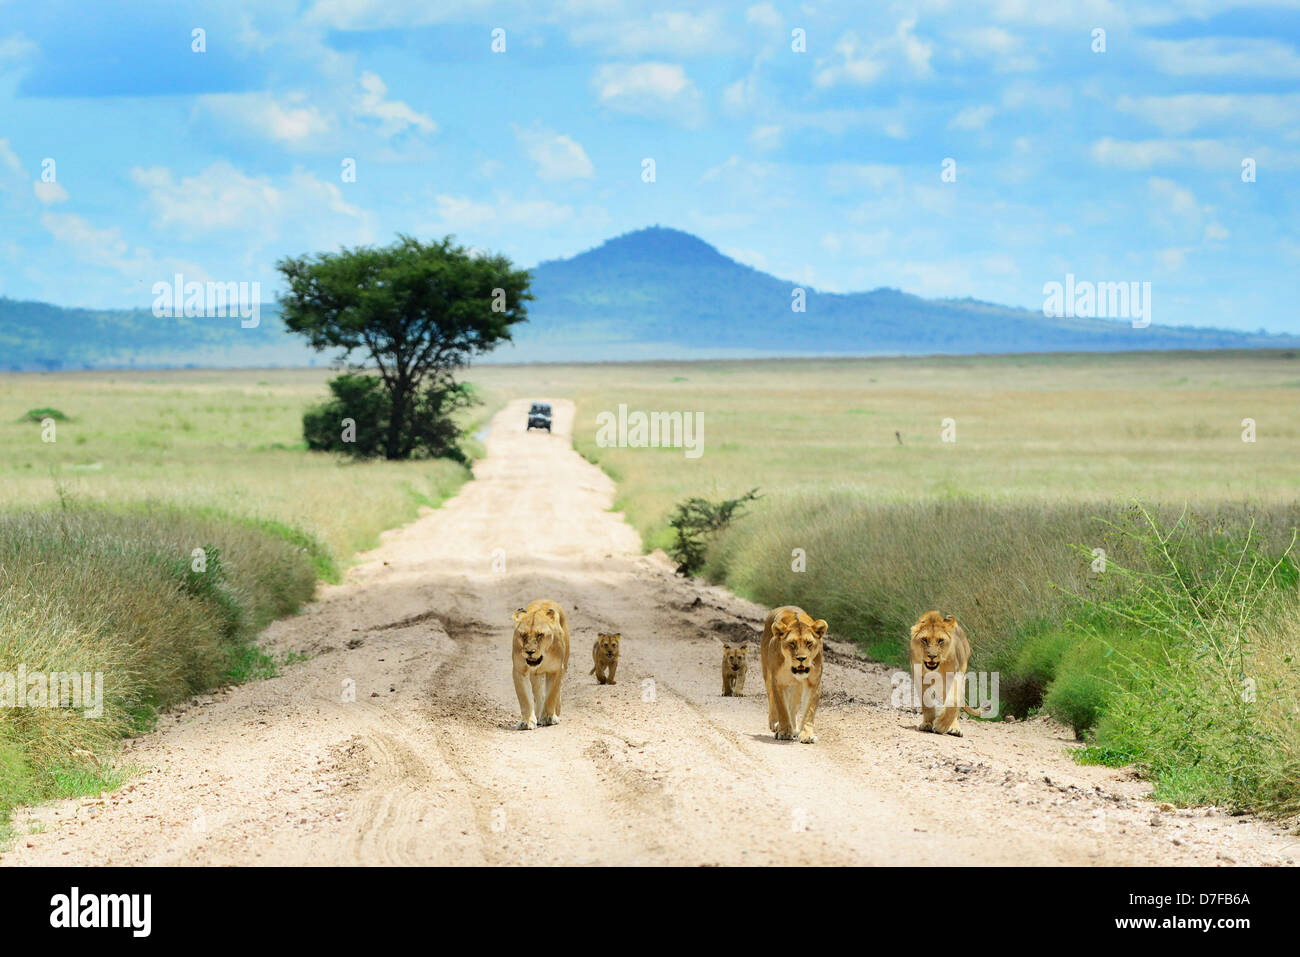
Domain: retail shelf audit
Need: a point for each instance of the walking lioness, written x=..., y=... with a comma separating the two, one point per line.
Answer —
x=541, y=650
x=604, y=654
x=940, y=652
x=792, y=670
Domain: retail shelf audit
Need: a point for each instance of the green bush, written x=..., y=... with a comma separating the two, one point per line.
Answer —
x=120, y=592
x=694, y=523
x=430, y=429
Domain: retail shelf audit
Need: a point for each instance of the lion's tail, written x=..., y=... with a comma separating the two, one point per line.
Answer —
x=592, y=671
x=972, y=712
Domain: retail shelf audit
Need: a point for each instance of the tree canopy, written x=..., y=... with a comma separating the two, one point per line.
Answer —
x=417, y=311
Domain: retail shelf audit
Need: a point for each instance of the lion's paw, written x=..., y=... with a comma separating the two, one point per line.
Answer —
x=927, y=726
x=525, y=725
x=548, y=720
x=956, y=732
x=807, y=737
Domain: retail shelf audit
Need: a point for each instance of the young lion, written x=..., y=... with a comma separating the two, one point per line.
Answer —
x=605, y=655
x=735, y=661
x=540, y=650
x=791, y=655
x=940, y=652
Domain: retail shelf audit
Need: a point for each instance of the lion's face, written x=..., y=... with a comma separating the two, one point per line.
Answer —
x=733, y=657
x=609, y=645
x=535, y=634
x=800, y=642
x=933, y=639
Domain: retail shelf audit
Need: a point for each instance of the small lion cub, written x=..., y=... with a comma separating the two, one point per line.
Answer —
x=605, y=655
x=735, y=660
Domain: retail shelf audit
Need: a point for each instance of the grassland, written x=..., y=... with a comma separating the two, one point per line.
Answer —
x=1054, y=456
x=100, y=525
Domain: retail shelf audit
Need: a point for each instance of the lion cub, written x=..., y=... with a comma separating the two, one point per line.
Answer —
x=791, y=656
x=540, y=650
x=605, y=655
x=940, y=652
x=735, y=661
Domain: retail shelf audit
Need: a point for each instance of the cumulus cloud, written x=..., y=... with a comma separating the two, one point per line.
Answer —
x=652, y=89
x=222, y=197
x=1184, y=112
x=558, y=157
x=972, y=118
x=288, y=119
x=463, y=213
x=394, y=116
x=49, y=193
x=854, y=62
x=663, y=33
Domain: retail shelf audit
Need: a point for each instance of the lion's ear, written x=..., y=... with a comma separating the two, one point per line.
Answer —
x=784, y=623
x=519, y=615
x=949, y=618
x=617, y=636
x=726, y=647
x=550, y=613
x=820, y=628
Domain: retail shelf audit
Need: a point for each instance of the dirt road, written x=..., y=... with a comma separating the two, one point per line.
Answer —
x=422, y=765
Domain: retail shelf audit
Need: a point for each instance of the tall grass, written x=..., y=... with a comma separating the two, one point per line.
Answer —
x=1149, y=656
x=1207, y=700
x=118, y=593
x=100, y=527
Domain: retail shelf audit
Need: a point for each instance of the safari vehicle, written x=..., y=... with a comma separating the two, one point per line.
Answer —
x=539, y=417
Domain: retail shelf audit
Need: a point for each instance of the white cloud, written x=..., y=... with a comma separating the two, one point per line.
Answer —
x=16, y=47
x=850, y=63
x=558, y=157
x=1003, y=49
x=394, y=116
x=858, y=243
x=972, y=118
x=1224, y=56
x=664, y=33
x=650, y=89
x=222, y=197
x=1215, y=232
x=109, y=249
x=1173, y=198
x=1144, y=154
x=289, y=120
x=292, y=120
x=767, y=137
x=854, y=62
x=1172, y=258
x=49, y=193
x=459, y=212
x=1184, y=112
x=763, y=15
x=11, y=161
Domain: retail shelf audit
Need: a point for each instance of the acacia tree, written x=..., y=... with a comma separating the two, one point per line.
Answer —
x=417, y=311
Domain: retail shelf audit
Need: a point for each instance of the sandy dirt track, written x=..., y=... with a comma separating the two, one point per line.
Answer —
x=424, y=766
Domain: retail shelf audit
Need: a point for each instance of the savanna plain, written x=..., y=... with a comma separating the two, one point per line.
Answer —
x=1115, y=532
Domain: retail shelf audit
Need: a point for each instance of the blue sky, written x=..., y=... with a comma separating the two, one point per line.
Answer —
x=822, y=166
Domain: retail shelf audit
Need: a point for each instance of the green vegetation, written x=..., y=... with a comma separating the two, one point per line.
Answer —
x=172, y=518
x=696, y=521
x=415, y=312
x=1147, y=660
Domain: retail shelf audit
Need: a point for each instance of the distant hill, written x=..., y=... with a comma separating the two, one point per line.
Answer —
x=663, y=293
x=38, y=336
x=655, y=293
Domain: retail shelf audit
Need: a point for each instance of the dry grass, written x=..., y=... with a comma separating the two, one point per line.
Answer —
x=1052, y=453
x=229, y=441
x=100, y=525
